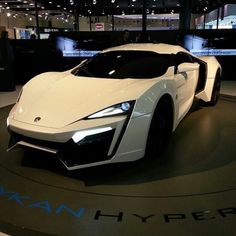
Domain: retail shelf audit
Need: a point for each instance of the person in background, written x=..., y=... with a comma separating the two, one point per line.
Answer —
x=143, y=37
x=6, y=63
x=125, y=38
x=33, y=36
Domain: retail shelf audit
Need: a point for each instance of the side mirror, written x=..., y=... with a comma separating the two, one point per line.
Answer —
x=185, y=67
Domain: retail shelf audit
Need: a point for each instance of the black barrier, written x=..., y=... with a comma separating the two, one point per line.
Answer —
x=32, y=57
x=6, y=63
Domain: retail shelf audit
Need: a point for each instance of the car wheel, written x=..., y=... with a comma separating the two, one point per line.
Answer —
x=216, y=91
x=160, y=129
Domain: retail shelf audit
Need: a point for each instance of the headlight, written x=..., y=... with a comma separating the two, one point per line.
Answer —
x=80, y=135
x=118, y=109
x=8, y=122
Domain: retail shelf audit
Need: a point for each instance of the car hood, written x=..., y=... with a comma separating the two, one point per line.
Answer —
x=60, y=98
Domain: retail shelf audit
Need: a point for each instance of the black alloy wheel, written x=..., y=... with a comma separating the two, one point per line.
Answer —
x=160, y=129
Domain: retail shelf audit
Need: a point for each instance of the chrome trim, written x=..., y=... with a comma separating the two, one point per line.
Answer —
x=12, y=147
x=22, y=143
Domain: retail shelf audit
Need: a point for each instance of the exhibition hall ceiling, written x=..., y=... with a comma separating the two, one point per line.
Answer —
x=108, y=7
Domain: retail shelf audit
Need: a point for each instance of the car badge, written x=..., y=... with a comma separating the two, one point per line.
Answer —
x=37, y=119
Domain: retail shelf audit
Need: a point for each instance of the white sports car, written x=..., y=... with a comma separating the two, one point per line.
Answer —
x=118, y=106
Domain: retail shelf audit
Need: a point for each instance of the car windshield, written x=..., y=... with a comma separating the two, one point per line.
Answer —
x=124, y=64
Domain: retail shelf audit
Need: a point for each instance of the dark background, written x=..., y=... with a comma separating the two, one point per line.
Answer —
x=36, y=56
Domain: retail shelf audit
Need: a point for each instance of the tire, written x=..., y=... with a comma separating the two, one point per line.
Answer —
x=216, y=91
x=160, y=129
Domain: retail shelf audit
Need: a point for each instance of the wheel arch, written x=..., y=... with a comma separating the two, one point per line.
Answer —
x=165, y=101
x=166, y=98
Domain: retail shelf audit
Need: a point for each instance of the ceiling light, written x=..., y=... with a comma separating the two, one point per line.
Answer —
x=8, y=14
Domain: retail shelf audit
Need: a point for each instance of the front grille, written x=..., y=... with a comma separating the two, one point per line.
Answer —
x=91, y=149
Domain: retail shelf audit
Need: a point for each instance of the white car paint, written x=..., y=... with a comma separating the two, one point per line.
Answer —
x=63, y=101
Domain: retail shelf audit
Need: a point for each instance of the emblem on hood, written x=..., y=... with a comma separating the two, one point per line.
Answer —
x=37, y=119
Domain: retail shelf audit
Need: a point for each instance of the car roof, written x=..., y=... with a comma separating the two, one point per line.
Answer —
x=161, y=48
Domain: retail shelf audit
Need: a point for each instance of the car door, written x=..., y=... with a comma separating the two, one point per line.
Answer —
x=186, y=82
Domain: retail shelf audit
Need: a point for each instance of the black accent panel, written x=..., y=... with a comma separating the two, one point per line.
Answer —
x=93, y=148
x=202, y=75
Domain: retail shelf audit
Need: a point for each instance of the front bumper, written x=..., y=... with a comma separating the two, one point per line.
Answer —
x=89, y=151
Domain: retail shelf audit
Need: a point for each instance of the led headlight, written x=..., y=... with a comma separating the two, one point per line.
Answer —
x=80, y=135
x=118, y=109
x=8, y=122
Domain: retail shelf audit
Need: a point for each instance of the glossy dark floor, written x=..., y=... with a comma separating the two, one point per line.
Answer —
x=190, y=190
